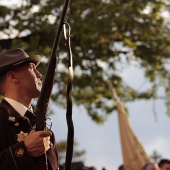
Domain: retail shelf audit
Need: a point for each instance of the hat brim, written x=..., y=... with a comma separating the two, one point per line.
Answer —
x=31, y=59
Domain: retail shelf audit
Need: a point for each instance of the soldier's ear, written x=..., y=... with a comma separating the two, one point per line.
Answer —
x=13, y=76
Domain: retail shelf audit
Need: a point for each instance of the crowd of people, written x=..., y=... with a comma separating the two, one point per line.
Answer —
x=163, y=164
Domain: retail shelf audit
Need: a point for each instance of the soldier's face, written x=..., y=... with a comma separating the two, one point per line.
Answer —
x=30, y=80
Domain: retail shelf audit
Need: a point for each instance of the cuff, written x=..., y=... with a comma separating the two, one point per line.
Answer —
x=20, y=156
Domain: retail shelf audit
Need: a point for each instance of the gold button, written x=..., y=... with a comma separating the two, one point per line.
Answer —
x=19, y=152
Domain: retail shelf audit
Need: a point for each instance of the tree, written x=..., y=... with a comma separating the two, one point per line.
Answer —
x=77, y=154
x=104, y=33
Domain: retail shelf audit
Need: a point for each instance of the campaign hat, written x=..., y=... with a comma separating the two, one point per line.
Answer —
x=14, y=57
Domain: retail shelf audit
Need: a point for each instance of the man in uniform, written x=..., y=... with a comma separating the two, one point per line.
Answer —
x=20, y=146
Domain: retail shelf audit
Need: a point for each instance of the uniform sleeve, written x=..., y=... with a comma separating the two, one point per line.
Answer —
x=14, y=157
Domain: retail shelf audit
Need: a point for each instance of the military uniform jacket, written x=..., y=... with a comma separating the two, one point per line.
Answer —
x=13, y=154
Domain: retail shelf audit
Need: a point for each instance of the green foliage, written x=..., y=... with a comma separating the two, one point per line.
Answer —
x=77, y=154
x=103, y=32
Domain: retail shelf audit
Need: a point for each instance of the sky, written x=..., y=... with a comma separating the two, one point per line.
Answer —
x=102, y=142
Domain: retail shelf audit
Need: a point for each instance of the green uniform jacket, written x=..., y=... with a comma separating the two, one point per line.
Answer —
x=13, y=154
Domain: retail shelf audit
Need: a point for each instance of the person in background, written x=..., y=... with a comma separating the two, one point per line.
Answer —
x=164, y=164
x=150, y=166
x=121, y=167
x=21, y=147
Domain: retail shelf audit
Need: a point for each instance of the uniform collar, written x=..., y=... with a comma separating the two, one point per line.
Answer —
x=20, y=108
x=13, y=115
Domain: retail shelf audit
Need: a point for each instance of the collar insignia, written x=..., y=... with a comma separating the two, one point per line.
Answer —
x=12, y=119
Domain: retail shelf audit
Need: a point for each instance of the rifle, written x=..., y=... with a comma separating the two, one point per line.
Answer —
x=43, y=100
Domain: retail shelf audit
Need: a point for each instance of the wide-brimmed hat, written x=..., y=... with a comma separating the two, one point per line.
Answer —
x=15, y=57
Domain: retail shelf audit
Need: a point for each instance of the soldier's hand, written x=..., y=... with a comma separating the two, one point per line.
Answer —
x=37, y=142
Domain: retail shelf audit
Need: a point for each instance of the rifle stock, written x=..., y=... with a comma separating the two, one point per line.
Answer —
x=44, y=98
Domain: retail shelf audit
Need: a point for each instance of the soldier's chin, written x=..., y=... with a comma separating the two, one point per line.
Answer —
x=37, y=93
x=39, y=87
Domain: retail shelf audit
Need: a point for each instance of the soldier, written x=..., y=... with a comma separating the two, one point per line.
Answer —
x=20, y=83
